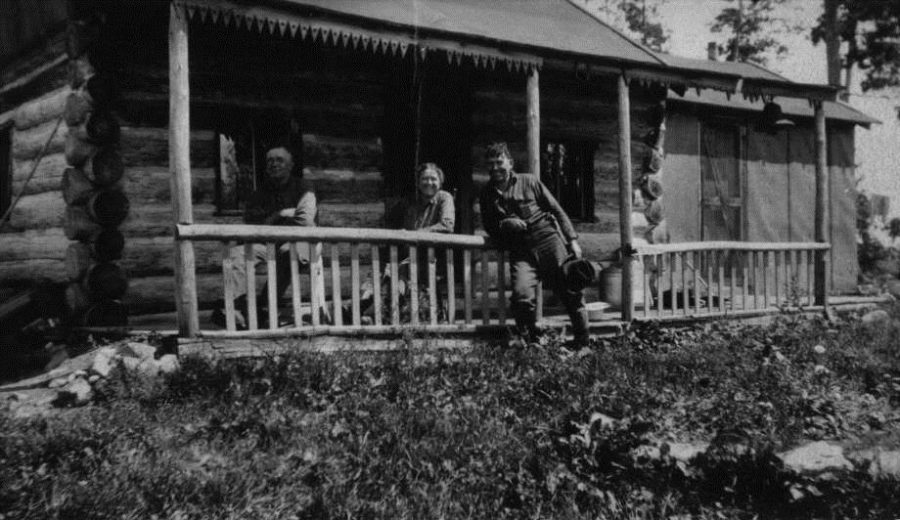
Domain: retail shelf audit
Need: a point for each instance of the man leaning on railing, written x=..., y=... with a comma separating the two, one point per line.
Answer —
x=523, y=215
x=284, y=199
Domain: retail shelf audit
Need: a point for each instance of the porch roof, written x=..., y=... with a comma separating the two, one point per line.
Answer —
x=834, y=110
x=519, y=33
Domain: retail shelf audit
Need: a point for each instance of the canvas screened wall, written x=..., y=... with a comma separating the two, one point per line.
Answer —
x=775, y=190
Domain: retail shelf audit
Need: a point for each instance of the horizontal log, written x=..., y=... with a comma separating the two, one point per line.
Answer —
x=144, y=146
x=360, y=215
x=38, y=211
x=145, y=184
x=78, y=150
x=40, y=244
x=105, y=313
x=102, y=128
x=157, y=293
x=152, y=256
x=78, y=108
x=732, y=246
x=39, y=271
x=78, y=260
x=323, y=151
x=105, y=167
x=345, y=186
x=107, y=245
x=108, y=207
x=79, y=225
x=105, y=281
x=48, y=174
x=76, y=188
x=156, y=219
x=45, y=108
x=325, y=234
x=27, y=144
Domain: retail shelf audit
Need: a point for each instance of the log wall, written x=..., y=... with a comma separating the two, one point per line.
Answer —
x=338, y=97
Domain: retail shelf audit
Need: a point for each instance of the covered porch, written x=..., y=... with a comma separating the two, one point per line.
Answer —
x=467, y=295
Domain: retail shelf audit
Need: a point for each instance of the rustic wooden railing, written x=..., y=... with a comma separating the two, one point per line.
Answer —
x=326, y=296
x=726, y=278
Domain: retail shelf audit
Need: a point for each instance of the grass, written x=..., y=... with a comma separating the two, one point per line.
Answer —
x=494, y=433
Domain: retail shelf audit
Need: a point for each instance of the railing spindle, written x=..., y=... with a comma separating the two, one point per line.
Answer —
x=295, y=283
x=413, y=284
x=778, y=278
x=272, y=277
x=336, y=285
x=376, y=278
x=732, y=285
x=660, y=261
x=250, y=270
x=672, y=294
x=792, y=278
x=395, y=286
x=646, y=263
x=720, y=289
x=766, y=267
x=354, y=284
x=432, y=287
x=451, y=287
x=485, y=288
x=685, y=297
x=501, y=287
x=467, y=286
x=539, y=302
x=709, y=280
x=696, y=261
x=811, y=277
x=316, y=297
x=227, y=269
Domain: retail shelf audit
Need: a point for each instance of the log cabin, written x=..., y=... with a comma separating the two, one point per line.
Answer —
x=132, y=134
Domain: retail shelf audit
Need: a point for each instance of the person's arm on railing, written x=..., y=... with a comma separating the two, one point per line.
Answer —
x=548, y=203
x=304, y=214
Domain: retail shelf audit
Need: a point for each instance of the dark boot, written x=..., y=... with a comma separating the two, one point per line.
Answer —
x=581, y=335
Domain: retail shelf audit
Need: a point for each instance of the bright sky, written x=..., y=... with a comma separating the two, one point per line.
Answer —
x=690, y=20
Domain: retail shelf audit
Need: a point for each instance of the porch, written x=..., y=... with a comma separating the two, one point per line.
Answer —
x=676, y=281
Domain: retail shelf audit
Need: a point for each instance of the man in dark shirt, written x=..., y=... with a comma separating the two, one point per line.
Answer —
x=283, y=199
x=519, y=211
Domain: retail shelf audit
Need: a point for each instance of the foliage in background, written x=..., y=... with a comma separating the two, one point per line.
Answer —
x=492, y=433
x=871, y=31
x=637, y=19
x=757, y=28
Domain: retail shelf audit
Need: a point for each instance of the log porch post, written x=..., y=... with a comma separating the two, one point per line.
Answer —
x=625, y=197
x=821, y=224
x=180, y=166
x=534, y=123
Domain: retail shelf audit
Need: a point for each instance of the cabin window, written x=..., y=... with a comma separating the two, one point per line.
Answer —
x=567, y=169
x=243, y=140
x=721, y=181
x=5, y=168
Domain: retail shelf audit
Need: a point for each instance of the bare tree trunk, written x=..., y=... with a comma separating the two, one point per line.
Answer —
x=832, y=43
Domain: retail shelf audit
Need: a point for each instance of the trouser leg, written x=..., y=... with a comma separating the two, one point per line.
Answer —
x=524, y=284
x=573, y=302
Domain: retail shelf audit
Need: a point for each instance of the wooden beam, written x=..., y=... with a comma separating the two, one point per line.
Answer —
x=821, y=222
x=258, y=233
x=534, y=123
x=625, y=198
x=180, y=164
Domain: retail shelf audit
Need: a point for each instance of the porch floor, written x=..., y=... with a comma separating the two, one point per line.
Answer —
x=165, y=323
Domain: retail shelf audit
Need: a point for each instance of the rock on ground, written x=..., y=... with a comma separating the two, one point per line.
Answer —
x=815, y=457
x=876, y=316
x=76, y=393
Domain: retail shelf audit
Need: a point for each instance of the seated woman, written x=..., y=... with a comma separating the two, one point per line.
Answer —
x=433, y=211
